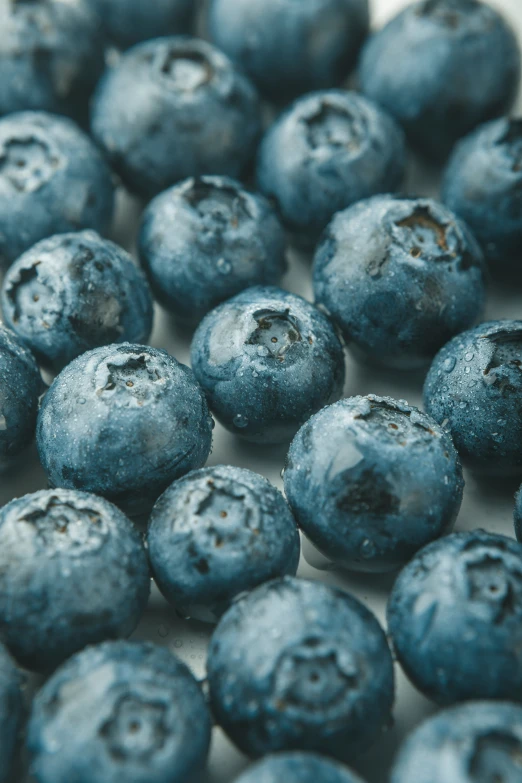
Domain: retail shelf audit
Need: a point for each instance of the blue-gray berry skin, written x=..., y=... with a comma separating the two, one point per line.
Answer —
x=218, y=532
x=441, y=67
x=400, y=277
x=11, y=712
x=51, y=57
x=173, y=108
x=482, y=184
x=327, y=151
x=74, y=292
x=297, y=768
x=206, y=240
x=127, y=22
x=119, y=711
x=123, y=421
x=473, y=390
x=471, y=743
x=267, y=360
x=372, y=480
x=289, y=48
x=53, y=179
x=455, y=618
x=518, y=514
x=20, y=386
x=299, y=665
x=73, y=571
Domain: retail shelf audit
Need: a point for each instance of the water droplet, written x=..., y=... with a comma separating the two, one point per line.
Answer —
x=449, y=364
x=283, y=471
x=497, y=437
x=463, y=404
x=502, y=422
x=467, y=370
x=224, y=266
x=240, y=421
x=81, y=401
x=262, y=350
x=367, y=548
x=469, y=356
x=255, y=374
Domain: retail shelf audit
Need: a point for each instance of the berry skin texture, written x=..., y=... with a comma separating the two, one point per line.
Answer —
x=371, y=480
x=20, y=387
x=11, y=712
x=74, y=292
x=328, y=150
x=267, y=360
x=127, y=22
x=119, y=711
x=441, y=67
x=73, y=571
x=206, y=240
x=50, y=170
x=455, y=618
x=472, y=743
x=52, y=56
x=289, y=48
x=174, y=108
x=472, y=390
x=123, y=421
x=298, y=665
x=482, y=185
x=297, y=768
x=216, y=533
x=400, y=277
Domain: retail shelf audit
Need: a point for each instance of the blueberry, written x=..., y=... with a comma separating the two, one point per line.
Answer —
x=205, y=240
x=20, y=387
x=482, y=184
x=480, y=742
x=53, y=176
x=74, y=292
x=267, y=360
x=123, y=421
x=298, y=665
x=371, y=480
x=120, y=711
x=455, y=618
x=128, y=22
x=174, y=108
x=216, y=533
x=400, y=277
x=11, y=712
x=288, y=48
x=327, y=151
x=73, y=571
x=297, y=768
x=441, y=67
x=473, y=390
x=52, y=55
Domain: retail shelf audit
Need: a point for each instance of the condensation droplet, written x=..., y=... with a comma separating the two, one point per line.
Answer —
x=469, y=356
x=224, y=266
x=449, y=364
x=367, y=548
x=240, y=421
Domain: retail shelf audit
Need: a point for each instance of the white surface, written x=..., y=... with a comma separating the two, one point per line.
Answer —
x=485, y=504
